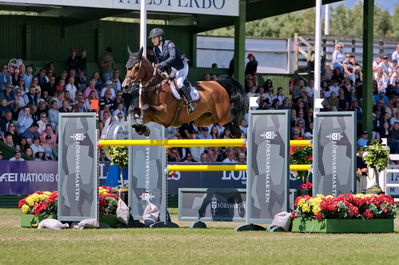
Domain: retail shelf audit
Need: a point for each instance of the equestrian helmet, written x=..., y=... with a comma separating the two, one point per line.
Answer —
x=156, y=32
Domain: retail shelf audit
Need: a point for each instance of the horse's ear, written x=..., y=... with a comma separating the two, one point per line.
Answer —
x=140, y=53
x=129, y=51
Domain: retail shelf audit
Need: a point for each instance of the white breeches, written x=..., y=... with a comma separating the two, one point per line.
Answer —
x=180, y=75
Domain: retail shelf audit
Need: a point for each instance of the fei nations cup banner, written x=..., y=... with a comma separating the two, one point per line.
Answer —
x=25, y=177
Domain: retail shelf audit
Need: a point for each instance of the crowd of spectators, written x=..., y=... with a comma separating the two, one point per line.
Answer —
x=30, y=103
x=341, y=90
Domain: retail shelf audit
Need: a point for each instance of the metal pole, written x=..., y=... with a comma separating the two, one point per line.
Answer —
x=368, y=38
x=327, y=20
x=143, y=26
x=317, y=58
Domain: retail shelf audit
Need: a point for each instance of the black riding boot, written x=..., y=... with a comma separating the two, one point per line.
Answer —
x=186, y=93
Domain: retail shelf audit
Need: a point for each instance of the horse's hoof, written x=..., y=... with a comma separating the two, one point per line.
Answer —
x=147, y=131
x=139, y=129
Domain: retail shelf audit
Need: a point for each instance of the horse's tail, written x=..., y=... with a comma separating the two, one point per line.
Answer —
x=239, y=102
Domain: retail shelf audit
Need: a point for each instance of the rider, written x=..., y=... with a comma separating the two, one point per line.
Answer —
x=169, y=57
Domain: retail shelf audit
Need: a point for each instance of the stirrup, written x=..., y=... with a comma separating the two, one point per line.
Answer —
x=190, y=107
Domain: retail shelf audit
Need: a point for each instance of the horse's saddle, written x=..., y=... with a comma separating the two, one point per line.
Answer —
x=175, y=91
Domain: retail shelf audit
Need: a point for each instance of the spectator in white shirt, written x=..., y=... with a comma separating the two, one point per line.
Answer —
x=395, y=54
x=338, y=57
x=204, y=133
x=230, y=157
x=118, y=110
x=25, y=120
x=387, y=70
x=71, y=88
x=36, y=146
x=334, y=87
x=309, y=89
x=108, y=85
x=280, y=95
x=116, y=80
x=17, y=156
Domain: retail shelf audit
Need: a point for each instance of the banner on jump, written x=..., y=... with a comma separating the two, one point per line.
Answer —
x=267, y=183
x=334, y=149
x=226, y=205
x=77, y=167
x=147, y=176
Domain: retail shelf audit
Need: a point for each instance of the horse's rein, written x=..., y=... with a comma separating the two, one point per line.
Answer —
x=146, y=85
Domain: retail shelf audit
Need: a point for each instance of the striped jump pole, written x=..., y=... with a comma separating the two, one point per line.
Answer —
x=225, y=167
x=176, y=143
x=190, y=143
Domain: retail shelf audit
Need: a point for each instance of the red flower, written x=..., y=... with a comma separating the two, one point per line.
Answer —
x=39, y=207
x=386, y=210
x=293, y=214
x=309, y=157
x=303, y=186
x=318, y=217
x=103, y=202
x=353, y=211
x=368, y=214
x=21, y=203
x=306, y=186
x=292, y=150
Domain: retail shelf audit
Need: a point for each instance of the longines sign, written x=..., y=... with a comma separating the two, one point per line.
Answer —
x=208, y=7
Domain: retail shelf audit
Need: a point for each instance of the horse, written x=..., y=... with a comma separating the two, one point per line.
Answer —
x=224, y=101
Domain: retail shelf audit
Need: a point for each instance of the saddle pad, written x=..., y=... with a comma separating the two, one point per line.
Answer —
x=194, y=92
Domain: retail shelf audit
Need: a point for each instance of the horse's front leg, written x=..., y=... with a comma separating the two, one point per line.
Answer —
x=135, y=115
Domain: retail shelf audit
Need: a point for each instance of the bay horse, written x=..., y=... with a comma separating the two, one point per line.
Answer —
x=223, y=101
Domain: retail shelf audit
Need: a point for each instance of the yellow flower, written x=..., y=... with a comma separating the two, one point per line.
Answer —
x=305, y=208
x=30, y=201
x=25, y=208
x=47, y=193
x=301, y=202
x=316, y=210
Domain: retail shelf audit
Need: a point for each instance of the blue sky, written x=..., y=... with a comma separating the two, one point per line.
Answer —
x=386, y=4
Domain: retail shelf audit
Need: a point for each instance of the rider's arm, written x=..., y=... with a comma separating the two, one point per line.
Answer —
x=172, y=55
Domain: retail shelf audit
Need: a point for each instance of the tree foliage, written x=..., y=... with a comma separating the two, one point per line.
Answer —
x=343, y=21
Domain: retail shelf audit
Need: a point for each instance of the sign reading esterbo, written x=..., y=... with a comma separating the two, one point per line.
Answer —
x=208, y=7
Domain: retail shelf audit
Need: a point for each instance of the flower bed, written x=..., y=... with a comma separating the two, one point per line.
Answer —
x=108, y=205
x=38, y=206
x=359, y=213
x=43, y=204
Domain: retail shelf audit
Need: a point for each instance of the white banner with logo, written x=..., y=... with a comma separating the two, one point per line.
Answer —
x=206, y=7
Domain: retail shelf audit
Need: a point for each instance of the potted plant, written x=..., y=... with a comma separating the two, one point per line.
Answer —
x=347, y=213
x=376, y=157
x=38, y=206
x=108, y=205
x=305, y=189
x=120, y=157
x=302, y=155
